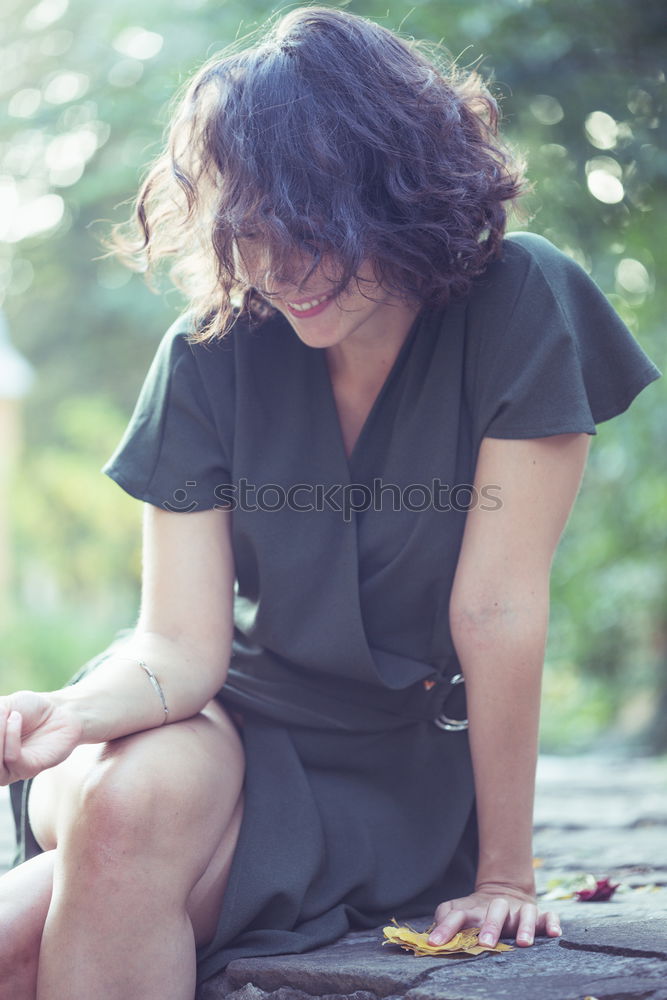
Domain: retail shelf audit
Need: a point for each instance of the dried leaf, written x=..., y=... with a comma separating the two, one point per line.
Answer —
x=603, y=890
x=466, y=942
x=555, y=894
x=564, y=888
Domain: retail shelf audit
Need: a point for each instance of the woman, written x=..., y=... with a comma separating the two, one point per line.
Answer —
x=278, y=751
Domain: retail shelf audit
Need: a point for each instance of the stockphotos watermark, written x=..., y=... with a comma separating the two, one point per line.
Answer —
x=341, y=498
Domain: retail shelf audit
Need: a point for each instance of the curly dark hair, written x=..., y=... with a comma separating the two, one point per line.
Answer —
x=330, y=137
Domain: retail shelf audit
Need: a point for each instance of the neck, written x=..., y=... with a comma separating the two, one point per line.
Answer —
x=370, y=351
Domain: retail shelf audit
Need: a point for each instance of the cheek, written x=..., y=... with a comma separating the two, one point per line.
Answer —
x=368, y=278
x=364, y=290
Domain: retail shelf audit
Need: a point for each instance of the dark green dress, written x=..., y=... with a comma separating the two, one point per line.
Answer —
x=359, y=807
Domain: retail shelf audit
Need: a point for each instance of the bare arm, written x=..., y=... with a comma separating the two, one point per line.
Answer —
x=499, y=612
x=184, y=635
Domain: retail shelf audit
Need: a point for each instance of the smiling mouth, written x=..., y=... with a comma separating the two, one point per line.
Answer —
x=311, y=307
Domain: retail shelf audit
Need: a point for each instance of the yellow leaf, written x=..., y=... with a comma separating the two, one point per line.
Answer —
x=466, y=942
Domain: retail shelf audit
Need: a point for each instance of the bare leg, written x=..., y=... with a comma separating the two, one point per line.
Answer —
x=144, y=830
x=25, y=894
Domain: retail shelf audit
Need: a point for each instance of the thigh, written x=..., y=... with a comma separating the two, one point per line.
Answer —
x=185, y=777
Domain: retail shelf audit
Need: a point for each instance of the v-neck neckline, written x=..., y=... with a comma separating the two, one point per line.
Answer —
x=397, y=364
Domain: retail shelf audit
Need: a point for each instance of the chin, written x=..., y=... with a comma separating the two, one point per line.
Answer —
x=324, y=337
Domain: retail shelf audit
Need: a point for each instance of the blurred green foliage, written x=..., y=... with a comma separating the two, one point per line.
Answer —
x=87, y=90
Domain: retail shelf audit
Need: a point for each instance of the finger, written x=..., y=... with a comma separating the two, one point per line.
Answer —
x=494, y=921
x=549, y=924
x=13, y=738
x=4, y=778
x=444, y=908
x=446, y=928
x=4, y=773
x=525, y=934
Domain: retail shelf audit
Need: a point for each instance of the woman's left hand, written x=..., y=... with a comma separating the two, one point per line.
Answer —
x=499, y=910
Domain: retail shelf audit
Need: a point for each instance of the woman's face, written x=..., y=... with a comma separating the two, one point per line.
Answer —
x=319, y=318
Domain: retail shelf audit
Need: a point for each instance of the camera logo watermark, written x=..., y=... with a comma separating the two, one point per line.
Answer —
x=342, y=498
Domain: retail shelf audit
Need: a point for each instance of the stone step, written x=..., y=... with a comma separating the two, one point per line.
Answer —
x=623, y=959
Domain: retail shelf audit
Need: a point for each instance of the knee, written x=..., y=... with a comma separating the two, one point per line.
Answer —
x=145, y=793
x=121, y=800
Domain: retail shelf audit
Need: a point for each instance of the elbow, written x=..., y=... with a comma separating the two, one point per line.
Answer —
x=212, y=665
x=502, y=614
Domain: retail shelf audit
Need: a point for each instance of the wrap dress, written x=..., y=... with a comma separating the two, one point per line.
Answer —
x=359, y=795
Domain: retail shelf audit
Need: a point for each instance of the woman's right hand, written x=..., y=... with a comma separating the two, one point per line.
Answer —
x=36, y=731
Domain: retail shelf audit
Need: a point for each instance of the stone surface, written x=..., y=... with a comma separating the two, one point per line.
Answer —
x=606, y=816
x=358, y=968
x=644, y=936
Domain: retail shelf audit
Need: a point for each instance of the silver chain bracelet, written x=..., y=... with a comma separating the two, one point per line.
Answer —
x=154, y=681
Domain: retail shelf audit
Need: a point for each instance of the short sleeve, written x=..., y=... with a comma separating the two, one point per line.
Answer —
x=172, y=453
x=560, y=359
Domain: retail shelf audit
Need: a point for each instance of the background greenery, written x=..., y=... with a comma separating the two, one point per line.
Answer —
x=87, y=86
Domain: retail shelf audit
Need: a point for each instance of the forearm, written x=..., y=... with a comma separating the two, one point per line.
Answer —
x=118, y=698
x=502, y=656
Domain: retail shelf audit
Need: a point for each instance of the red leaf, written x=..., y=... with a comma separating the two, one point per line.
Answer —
x=603, y=890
